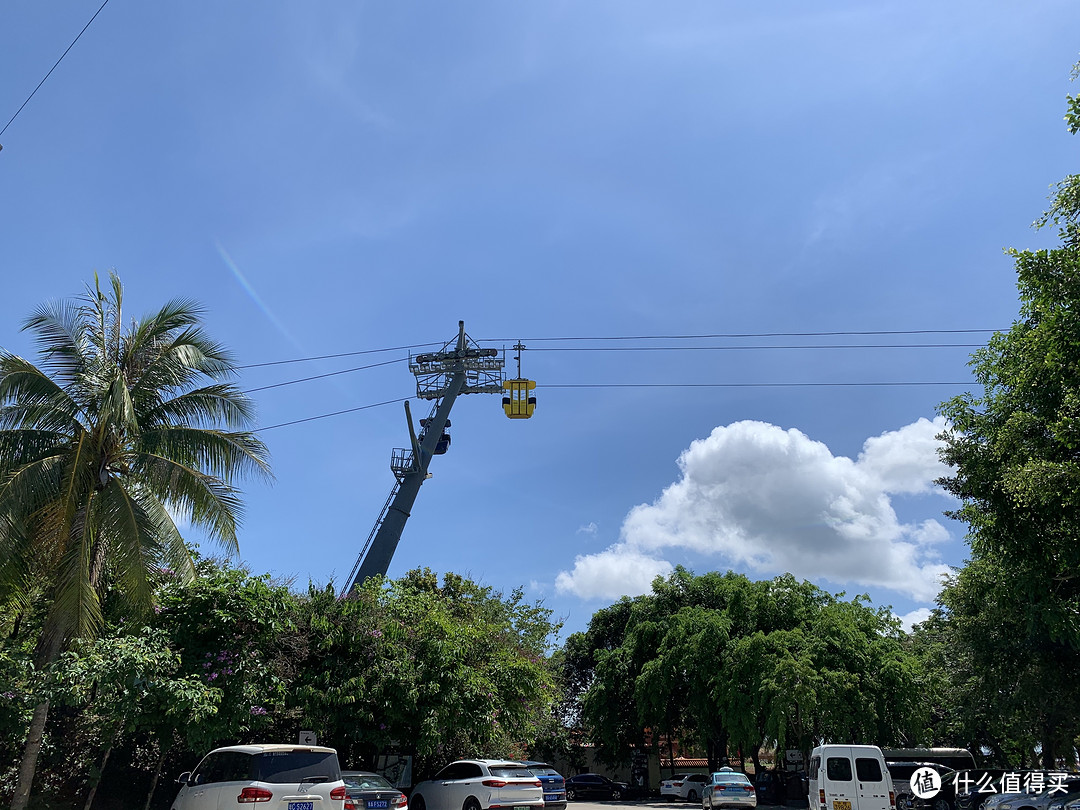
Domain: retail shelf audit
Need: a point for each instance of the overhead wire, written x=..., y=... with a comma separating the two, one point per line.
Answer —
x=756, y=384
x=335, y=356
x=47, y=75
x=328, y=415
x=747, y=348
x=735, y=335
x=921, y=383
x=321, y=376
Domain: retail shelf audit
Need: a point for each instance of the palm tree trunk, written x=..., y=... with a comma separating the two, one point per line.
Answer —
x=154, y=781
x=30, y=757
x=101, y=770
x=47, y=653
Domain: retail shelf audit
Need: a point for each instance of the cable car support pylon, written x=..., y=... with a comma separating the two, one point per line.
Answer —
x=461, y=367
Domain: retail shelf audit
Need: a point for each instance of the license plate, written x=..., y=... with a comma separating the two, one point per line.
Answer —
x=301, y=806
x=550, y=797
x=377, y=803
x=841, y=805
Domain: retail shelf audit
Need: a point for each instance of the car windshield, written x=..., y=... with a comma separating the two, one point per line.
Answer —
x=301, y=765
x=543, y=771
x=511, y=771
x=366, y=781
x=730, y=779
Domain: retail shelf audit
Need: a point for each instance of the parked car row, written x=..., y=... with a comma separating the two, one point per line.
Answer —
x=297, y=777
x=856, y=777
x=840, y=777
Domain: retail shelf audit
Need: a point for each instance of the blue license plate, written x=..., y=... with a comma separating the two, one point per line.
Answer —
x=551, y=797
x=301, y=806
x=377, y=804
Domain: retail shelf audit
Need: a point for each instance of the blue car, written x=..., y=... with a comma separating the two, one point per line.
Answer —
x=552, y=782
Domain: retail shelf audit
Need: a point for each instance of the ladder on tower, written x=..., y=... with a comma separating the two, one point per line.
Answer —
x=374, y=531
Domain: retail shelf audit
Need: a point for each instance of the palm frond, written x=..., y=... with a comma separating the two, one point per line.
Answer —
x=209, y=407
x=177, y=362
x=23, y=383
x=131, y=536
x=60, y=332
x=210, y=502
x=174, y=555
x=76, y=611
x=26, y=485
x=224, y=454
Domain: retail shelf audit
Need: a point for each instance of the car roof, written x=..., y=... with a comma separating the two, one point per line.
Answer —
x=492, y=762
x=259, y=748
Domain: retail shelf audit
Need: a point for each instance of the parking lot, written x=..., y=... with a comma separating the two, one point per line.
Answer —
x=661, y=804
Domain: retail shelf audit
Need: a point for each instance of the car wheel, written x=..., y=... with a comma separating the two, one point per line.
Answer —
x=693, y=797
x=616, y=795
x=571, y=795
x=941, y=803
x=471, y=804
x=417, y=803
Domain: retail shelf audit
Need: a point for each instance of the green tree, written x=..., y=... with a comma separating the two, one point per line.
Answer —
x=117, y=426
x=719, y=660
x=237, y=633
x=447, y=669
x=124, y=683
x=1016, y=452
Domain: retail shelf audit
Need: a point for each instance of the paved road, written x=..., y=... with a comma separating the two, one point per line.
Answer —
x=661, y=804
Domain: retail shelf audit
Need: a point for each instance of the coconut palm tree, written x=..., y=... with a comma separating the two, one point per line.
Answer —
x=116, y=431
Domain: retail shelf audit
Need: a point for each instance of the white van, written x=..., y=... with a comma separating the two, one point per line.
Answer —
x=849, y=777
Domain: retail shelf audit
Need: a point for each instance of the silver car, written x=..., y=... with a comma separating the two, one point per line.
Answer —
x=285, y=777
x=479, y=784
x=1053, y=793
x=728, y=788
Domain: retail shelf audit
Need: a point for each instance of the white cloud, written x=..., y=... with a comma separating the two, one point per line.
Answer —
x=618, y=571
x=906, y=460
x=772, y=500
x=590, y=529
x=909, y=620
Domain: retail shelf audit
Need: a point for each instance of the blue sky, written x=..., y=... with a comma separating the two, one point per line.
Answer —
x=345, y=177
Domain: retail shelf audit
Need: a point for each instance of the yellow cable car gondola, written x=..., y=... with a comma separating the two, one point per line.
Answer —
x=519, y=404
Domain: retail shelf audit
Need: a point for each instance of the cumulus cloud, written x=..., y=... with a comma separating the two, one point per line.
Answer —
x=618, y=571
x=917, y=616
x=772, y=500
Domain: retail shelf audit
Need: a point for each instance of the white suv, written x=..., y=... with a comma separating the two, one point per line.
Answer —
x=479, y=784
x=282, y=777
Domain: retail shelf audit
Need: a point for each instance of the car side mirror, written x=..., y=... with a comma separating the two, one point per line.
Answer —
x=184, y=778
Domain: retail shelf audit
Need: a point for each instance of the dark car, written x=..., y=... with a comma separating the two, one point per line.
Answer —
x=901, y=773
x=771, y=787
x=973, y=787
x=369, y=791
x=551, y=781
x=594, y=786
